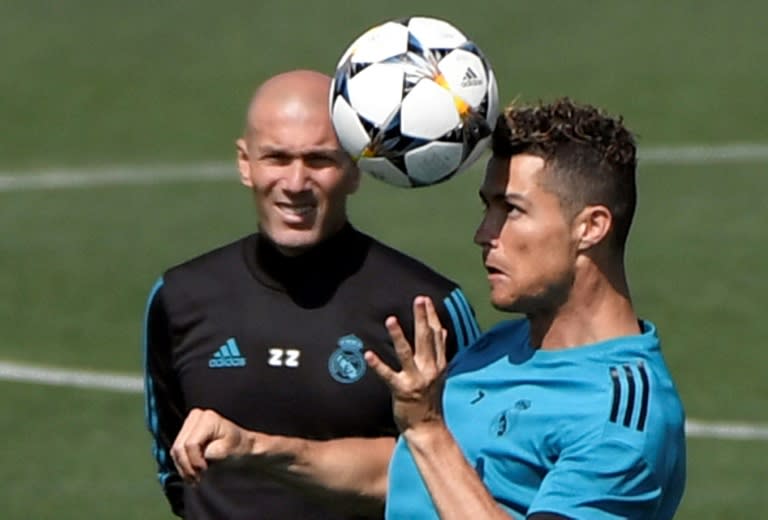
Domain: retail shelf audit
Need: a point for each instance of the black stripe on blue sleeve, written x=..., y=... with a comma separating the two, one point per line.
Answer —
x=469, y=316
x=616, y=394
x=630, y=395
x=458, y=326
x=645, y=385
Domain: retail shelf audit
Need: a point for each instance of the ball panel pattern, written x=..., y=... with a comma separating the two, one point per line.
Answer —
x=352, y=134
x=433, y=162
x=413, y=101
x=379, y=43
x=434, y=33
x=428, y=97
x=376, y=91
x=385, y=171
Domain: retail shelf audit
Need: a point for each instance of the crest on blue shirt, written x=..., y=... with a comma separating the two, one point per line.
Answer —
x=500, y=423
x=346, y=363
x=503, y=421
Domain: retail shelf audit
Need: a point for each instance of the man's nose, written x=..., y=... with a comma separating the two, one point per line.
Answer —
x=483, y=235
x=297, y=176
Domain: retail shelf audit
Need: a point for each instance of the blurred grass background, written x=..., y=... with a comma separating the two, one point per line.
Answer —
x=89, y=85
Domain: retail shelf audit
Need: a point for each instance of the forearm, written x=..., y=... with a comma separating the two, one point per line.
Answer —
x=348, y=466
x=456, y=490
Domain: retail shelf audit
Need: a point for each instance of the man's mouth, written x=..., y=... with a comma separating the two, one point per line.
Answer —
x=297, y=210
x=492, y=270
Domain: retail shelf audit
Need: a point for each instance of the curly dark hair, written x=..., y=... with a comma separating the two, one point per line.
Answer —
x=590, y=156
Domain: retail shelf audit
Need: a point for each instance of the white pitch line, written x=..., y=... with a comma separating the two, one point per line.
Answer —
x=704, y=154
x=10, y=371
x=19, y=372
x=738, y=431
x=174, y=173
x=115, y=175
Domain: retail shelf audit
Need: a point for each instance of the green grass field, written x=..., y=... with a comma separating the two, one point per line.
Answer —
x=88, y=85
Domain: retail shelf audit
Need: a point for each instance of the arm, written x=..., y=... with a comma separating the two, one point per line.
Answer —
x=353, y=468
x=162, y=398
x=353, y=465
x=453, y=484
x=455, y=488
x=601, y=475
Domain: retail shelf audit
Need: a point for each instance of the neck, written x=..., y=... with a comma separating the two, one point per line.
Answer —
x=598, y=308
x=339, y=230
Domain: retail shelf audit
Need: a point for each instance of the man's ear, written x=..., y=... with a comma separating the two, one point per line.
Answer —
x=592, y=225
x=243, y=163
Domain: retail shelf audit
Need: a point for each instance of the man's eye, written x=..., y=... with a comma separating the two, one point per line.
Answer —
x=320, y=161
x=277, y=159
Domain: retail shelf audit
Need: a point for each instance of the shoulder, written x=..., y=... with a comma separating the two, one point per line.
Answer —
x=390, y=260
x=393, y=275
x=209, y=263
x=393, y=278
x=628, y=404
x=510, y=335
x=509, y=328
x=644, y=398
x=507, y=339
x=205, y=275
x=216, y=264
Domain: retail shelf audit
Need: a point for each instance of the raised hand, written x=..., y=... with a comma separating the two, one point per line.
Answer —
x=417, y=388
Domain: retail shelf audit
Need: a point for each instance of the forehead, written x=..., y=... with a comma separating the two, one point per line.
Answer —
x=292, y=126
x=521, y=174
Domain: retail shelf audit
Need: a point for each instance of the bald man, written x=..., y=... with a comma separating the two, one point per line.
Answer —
x=255, y=349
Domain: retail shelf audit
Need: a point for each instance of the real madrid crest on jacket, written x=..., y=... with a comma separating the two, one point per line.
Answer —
x=346, y=364
x=276, y=344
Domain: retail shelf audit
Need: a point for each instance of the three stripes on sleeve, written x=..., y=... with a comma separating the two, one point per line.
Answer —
x=463, y=318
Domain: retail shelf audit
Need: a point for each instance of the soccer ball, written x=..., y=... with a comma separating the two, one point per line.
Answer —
x=413, y=101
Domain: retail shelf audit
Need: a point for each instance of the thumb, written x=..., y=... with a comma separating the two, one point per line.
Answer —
x=217, y=450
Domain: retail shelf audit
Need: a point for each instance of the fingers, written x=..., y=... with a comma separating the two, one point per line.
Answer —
x=206, y=435
x=428, y=352
x=441, y=358
x=432, y=318
x=187, y=449
x=416, y=388
x=403, y=348
x=439, y=333
x=430, y=336
x=216, y=450
x=423, y=335
x=382, y=369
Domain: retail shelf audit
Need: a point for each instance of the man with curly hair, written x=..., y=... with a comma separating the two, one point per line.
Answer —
x=569, y=412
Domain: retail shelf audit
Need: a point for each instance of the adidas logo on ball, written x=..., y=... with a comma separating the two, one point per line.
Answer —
x=414, y=101
x=470, y=79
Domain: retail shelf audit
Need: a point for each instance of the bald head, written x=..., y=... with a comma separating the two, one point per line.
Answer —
x=293, y=94
x=293, y=163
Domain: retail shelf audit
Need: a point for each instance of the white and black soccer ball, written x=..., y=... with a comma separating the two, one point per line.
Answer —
x=413, y=101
